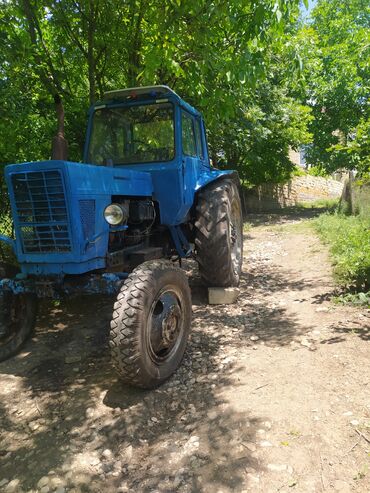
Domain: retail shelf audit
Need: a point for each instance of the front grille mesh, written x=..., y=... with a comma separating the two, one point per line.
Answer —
x=87, y=214
x=42, y=211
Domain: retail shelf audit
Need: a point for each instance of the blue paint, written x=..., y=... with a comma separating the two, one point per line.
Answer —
x=81, y=181
x=72, y=236
x=176, y=182
x=182, y=245
x=108, y=283
x=16, y=286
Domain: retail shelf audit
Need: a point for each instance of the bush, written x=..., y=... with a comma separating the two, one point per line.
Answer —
x=297, y=171
x=349, y=240
x=318, y=171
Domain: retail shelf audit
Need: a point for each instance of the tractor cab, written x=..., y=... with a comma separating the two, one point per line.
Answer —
x=152, y=129
x=144, y=126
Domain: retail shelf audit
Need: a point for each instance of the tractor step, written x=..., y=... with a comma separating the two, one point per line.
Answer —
x=222, y=296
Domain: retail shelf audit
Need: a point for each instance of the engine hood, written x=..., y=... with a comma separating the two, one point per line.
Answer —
x=92, y=179
x=58, y=212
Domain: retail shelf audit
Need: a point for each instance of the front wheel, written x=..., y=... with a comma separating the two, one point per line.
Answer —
x=17, y=317
x=151, y=324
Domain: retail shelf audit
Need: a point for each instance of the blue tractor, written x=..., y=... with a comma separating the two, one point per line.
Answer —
x=144, y=197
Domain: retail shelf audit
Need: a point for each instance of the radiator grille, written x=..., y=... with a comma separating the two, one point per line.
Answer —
x=87, y=214
x=42, y=211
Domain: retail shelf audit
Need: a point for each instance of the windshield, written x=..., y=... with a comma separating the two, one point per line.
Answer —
x=132, y=134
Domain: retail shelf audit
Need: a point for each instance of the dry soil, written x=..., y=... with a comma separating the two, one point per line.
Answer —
x=273, y=394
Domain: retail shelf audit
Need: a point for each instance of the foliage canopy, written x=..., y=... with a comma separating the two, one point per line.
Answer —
x=336, y=49
x=264, y=82
x=227, y=58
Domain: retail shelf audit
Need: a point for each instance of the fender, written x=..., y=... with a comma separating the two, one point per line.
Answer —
x=216, y=175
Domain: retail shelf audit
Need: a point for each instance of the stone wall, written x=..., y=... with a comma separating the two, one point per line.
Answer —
x=357, y=196
x=300, y=189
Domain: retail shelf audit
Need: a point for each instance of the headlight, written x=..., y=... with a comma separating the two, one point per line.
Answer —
x=114, y=214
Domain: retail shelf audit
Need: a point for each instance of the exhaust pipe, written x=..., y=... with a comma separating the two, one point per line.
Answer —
x=59, y=148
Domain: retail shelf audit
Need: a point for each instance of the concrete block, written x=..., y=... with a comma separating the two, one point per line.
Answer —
x=222, y=296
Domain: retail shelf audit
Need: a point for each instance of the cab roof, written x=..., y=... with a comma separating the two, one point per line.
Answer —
x=146, y=93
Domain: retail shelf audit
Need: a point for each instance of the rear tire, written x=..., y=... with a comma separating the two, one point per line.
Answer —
x=151, y=324
x=17, y=316
x=219, y=234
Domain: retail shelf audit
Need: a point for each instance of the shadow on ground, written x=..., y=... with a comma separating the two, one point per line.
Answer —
x=273, y=324
x=343, y=333
x=63, y=413
x=289, y=214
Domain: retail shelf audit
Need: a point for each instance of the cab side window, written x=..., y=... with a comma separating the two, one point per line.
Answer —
x=188, y=136
x=198, y=136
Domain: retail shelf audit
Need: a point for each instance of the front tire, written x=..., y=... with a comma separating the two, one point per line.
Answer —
x=219, y=234
x=17, y=316
x=151, y=324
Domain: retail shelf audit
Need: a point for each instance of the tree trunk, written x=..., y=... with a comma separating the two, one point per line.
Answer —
x=90, y=51
x=49, y=76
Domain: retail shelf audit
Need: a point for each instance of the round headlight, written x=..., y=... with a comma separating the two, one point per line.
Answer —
x=114, y=214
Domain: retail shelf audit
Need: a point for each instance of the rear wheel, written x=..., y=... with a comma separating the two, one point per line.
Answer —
x=219, y=234
x=17, y=316
x=151, y=324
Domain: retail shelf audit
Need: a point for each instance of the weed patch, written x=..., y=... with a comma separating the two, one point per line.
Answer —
x=360, y=299
x=349, y=241
x=329, y=204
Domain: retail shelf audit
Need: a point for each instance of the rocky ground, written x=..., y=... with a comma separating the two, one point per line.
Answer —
x=273, y=394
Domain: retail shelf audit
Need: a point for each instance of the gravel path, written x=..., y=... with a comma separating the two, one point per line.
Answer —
x=273, y=394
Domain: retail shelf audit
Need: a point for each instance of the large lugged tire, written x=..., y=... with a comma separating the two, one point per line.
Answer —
x=17, y=317
x=219, y=234
x=151, y=324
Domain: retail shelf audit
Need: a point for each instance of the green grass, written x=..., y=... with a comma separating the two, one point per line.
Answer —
x=349, y=241
x=330, y=204
x=300, y=227
x=362, y=299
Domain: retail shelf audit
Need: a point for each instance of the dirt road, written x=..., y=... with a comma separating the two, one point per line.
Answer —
x=273, y=394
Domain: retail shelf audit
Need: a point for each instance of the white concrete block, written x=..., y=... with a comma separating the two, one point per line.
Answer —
x=222, y=296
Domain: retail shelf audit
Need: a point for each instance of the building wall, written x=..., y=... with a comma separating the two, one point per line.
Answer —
x=300, y=189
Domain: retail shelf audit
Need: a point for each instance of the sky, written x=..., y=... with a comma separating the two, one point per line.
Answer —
x=306, y=12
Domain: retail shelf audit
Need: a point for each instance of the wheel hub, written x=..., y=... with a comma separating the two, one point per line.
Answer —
x=166, y=322
x=170, y=325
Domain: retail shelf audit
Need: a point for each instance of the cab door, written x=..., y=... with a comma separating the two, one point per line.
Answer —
x=193, y=155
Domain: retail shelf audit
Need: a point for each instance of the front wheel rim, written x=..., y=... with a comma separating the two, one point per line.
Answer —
x=165, y=325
